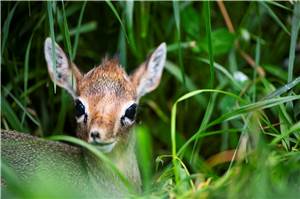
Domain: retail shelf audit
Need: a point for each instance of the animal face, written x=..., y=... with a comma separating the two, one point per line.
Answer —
x=105, y=98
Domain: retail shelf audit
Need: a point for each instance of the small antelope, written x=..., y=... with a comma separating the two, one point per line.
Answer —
x=106, y=101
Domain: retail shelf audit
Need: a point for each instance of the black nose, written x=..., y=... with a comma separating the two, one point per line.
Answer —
x=95, y=134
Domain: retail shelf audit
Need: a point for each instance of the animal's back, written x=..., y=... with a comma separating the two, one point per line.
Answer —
x=42, y=162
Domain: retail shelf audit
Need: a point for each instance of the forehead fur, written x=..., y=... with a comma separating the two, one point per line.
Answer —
x=108, y=78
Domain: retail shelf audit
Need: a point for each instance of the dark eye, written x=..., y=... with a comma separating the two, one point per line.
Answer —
x=131, y=111
x=79, y=108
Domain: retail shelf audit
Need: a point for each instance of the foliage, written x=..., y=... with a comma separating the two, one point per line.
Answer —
x=228, y=126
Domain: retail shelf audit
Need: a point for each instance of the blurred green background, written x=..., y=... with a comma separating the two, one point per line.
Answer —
x=256, y=54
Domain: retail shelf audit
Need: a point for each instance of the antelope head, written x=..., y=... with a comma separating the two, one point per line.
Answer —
x=105, y=98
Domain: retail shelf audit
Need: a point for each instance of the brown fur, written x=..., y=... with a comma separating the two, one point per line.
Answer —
x=106, y=88
x=106, y=91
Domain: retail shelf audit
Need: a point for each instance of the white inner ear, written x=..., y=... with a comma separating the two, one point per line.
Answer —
x=62, y=75
x=154, y=68
x=62, y=64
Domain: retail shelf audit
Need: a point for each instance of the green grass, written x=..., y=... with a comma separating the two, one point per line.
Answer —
x=215, y=135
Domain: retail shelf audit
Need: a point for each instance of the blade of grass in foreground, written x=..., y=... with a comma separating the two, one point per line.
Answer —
x=97, y=153
x=51, y=25
x=252, y=107
x=12, y=181
x=187, y=96
x=145, y=154
x=211, y=102
x=295, y=127
x=283, y=89
x=225, y=117
x=173, y=123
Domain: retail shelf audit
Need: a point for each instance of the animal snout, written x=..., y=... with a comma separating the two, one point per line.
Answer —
x=95, y=135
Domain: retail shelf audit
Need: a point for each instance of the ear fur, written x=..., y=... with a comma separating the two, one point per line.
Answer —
x=147, y=77
x=63, y=74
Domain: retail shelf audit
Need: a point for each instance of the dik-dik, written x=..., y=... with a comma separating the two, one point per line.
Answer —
x=106, y=101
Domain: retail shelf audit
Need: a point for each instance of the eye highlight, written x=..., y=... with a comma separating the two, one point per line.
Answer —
x=129, y=116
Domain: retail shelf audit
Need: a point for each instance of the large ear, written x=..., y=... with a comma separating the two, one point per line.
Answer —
x=66, y=74
x=147, y=77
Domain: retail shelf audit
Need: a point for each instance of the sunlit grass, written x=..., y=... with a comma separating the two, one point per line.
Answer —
x=224, y=122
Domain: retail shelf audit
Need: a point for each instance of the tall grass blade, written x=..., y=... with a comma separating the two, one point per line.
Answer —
x=78, y=32
x=144, y=154
x=252, y=107
x=275, y=17
x=209, y=43
x=173, y=124
x=33, y=88
x=190, y=86
x=51, y=26
x=211, y=102
x=283, y=89
x=279, y=5
x=61, y=118
x=223, y=70
x=176, y=11
x=85, y=28
x=66, y=31
x=21, y=106
x=5, y=29
x=10, y=115
x=112, y=7
x=26, y=67
x=122, y=55
x=173, y=142
x=257, y=60
x=129, y=9
x=294, y=38
x=294, y=128
x=237, y=112
x=145, y=19
x=183, y=45
x=26, y=64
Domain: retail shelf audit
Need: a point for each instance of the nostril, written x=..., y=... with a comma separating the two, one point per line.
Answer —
x=95, y=135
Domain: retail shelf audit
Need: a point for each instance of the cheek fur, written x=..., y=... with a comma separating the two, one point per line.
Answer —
x=82, y=131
